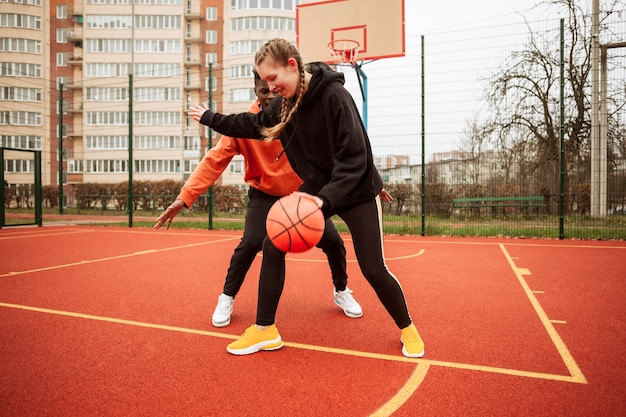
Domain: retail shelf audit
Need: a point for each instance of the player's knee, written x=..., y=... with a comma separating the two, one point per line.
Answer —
x=252, y=243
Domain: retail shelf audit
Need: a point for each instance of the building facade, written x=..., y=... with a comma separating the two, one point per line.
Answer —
x=25, y=112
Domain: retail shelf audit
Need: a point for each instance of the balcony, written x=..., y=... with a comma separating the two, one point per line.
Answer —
x=75, y=60
x=192, y=38
x=73, y=35
x=189, y=15
x=74, y=131
x=193, y=86
x=75, y=15
x=75, y=108
x=192, y=62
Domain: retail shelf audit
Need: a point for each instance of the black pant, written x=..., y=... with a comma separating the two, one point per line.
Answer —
x=365, y=224
x=259, y=204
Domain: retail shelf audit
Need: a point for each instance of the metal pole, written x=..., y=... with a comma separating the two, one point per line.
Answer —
x=61, y=148
x=595, y=105
x=130, y=117
x=211, y=195
x=363, y=86
x=38, y=190
x=561, y=137
x=2, y=222
x=423, y=192
x=130, y=150
x=602, y=142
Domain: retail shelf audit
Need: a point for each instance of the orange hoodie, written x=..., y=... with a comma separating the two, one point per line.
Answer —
x=261, y=170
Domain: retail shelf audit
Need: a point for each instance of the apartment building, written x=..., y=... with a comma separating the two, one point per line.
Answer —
x=25, y=113
x=83, y=56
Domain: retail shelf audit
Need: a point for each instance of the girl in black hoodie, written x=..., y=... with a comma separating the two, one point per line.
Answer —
x=322, y=134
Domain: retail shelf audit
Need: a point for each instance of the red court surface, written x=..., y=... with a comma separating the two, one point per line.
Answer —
x=102, y=321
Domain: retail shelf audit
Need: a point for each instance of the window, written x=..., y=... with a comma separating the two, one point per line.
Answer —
x=211, y=13
x=108, y=45
x=61, y=59
x=19, y=69
x=20, y=94
x=30, y=46
x=106, y=94
x=235, y=167
x=149, y=118
x=24, y=21
x=25, y=118
x=62, y=80
x=108, y=21
x=157, y=94
x=213, y=84
x=20, y=141
x=62, y=35
x=157, y=70
x=190, y=165
x=158, y=22
x=107, y=70
x=192, y=143
x=158, y=45
x=62, y=11
x=210, y=58
x=242, y=94
x=211, y=36
x=118, y=118
x=75, y=166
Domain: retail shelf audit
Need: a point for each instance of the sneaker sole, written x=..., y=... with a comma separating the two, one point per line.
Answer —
x=349, y=314
x=412, y=355
x=266, y=345
x=222, y=324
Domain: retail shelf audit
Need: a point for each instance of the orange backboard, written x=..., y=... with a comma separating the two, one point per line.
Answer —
x=377, y=25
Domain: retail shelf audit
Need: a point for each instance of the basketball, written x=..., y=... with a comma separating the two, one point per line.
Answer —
x=295, y=224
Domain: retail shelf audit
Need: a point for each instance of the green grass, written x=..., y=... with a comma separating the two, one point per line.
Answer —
x=543, y=226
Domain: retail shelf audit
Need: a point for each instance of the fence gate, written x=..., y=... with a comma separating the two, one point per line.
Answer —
x=21, y=190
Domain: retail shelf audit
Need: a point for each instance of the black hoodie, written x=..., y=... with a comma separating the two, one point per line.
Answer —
x=325, y=141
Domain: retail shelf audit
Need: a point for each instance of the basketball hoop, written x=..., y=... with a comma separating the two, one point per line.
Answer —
x=345, y=51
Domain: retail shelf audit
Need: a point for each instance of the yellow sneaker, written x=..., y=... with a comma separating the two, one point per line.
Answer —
x=413, y=346
x=254, y=340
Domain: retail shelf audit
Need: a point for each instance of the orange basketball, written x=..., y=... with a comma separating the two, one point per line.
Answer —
x=295, y=223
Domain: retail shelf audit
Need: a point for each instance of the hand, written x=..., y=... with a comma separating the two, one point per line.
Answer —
x=168, y=215
x=385, y=196
x=197, y=110
x=317, y=200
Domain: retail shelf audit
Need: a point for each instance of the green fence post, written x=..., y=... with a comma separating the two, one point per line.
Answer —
x=38, y=191
x=2, y=191
x=561, y=139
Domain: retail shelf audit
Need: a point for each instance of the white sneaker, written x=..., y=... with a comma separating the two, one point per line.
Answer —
x=347, y=303
x=221, y=315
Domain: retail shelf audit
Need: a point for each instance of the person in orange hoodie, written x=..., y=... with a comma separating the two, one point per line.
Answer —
x=269, y=179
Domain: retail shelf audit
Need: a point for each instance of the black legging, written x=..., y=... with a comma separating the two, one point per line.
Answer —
x=259, y=204
x=364, y=222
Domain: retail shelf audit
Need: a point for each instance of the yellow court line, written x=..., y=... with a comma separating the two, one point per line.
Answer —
x=109, y=258
x=51, y=233
x=316, y=348
x=407, y=390
x=567, y=357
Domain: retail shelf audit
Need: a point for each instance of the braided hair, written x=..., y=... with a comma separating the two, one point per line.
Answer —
x=281, y=51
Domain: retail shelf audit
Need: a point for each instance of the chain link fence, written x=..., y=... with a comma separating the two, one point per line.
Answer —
x=496, y=130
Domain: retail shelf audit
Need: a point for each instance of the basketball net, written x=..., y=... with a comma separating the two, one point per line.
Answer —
x=344, y=51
